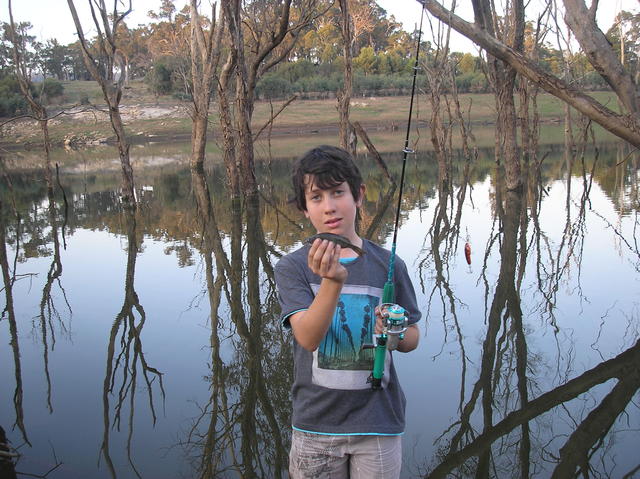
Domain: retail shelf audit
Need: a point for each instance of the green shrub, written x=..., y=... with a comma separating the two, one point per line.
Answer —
x=319, y=83
x=166, y=76
x=273, y=86
x=11, y=100
x=474, y=82
x=49, y=89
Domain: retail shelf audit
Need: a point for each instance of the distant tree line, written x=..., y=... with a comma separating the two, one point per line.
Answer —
x=159, y=53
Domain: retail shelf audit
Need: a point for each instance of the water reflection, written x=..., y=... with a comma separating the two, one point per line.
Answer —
x=126, y=358
x=494, y=434
x=575, y=455
x=48, y=309
x=537, y=346
x=9, y=314
x=243, y=426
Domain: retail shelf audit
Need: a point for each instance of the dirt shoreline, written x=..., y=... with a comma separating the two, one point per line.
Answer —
x=142, y=137
x=81, y=127
x=81, y=141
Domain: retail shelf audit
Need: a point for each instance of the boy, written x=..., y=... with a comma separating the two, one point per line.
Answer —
x=329, y=298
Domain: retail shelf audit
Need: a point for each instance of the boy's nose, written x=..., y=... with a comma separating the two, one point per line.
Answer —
x=329, y=205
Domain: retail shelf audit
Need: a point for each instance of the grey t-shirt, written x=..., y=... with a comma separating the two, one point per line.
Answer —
x=330, y=391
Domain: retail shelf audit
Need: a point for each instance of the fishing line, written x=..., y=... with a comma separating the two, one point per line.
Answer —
x=405, y=153
x=395, y=315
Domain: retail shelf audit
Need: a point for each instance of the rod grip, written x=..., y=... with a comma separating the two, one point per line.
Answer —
x=378, y=362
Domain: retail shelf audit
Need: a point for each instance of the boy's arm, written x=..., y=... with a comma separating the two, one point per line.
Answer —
x=310, y=326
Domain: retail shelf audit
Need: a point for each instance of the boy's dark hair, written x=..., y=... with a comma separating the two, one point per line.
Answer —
x=329, y=166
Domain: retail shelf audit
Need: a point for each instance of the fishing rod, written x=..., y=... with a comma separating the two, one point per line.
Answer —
x=394, y=315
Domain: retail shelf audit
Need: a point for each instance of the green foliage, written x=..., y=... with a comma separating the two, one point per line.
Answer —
x=593, y=81
x=381, y=85
x=77, y=68
x=166, y=77
x=50, y=88
x=26, y=45
x=273, y=86
x=11, y=100
x=159, y=79
x=472, y=82
x=57, y=60
x=393, y=62
x=468, y=64
x=367, y=61
x=294, y=71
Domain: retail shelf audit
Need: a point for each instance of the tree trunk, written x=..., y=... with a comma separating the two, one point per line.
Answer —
x=102, y=72
x=226, y=124
x=244, y=99
x=344, y=95
x=205, y=53
x=198, y=139
x=503, y=78
x=506, y=128
x=128, y=193
x=251, y=61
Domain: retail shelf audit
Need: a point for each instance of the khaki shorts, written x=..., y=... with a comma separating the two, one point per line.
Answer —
x=322, y=456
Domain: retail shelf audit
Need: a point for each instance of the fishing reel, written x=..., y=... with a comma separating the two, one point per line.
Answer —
x=395, y=324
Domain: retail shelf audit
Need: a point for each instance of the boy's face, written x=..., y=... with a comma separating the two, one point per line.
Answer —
x=332, y=210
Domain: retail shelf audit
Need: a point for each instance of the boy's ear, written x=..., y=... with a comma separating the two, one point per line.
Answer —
x=361, y=195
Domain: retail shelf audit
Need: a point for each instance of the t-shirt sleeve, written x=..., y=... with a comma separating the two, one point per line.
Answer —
x=405, y=294
x=294, y=291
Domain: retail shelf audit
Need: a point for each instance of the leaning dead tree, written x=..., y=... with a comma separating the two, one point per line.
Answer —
x=600, y=56
x=108, y=68
x=38, y=110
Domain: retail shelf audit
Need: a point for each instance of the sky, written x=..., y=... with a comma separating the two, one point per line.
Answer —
x=51, y=18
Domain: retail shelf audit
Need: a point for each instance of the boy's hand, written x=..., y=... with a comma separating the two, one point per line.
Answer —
x=411, y=335
x=323, y=260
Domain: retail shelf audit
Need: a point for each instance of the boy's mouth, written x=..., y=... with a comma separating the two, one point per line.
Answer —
x=332, y=223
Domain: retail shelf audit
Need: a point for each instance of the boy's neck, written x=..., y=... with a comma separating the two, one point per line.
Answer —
x=348, y=252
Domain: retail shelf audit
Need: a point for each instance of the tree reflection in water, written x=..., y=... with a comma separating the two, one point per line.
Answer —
x=48, y=309
x=523, y=403
x=9, y=314
x=125, y=357
x=244, y=426
x=479, y=443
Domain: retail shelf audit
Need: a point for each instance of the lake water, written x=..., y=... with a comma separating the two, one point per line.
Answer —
x=149, y=345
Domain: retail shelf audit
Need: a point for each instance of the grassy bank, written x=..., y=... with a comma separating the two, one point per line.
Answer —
x=164, y=118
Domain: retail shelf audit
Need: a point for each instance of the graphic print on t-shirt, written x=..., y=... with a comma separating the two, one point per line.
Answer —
x=350, y=330
x=340, y=362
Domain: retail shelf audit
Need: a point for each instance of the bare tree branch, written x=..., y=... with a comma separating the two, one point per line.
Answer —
x=622, y=126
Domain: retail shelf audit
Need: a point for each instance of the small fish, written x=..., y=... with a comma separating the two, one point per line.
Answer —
x=337, y=239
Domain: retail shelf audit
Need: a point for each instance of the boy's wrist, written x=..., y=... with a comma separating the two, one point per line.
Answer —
x=336, y=282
